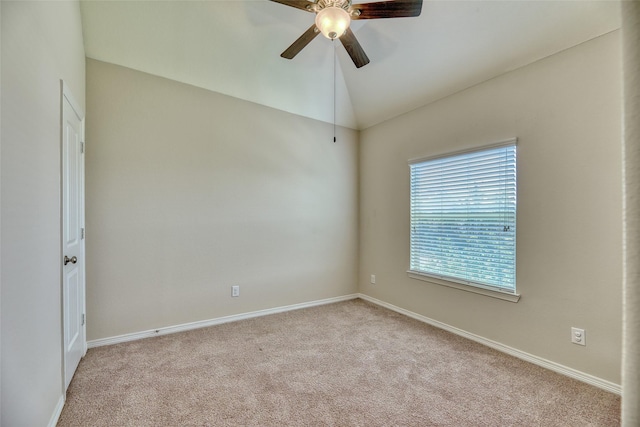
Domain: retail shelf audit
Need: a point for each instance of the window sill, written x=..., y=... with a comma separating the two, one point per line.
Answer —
x=476, y=290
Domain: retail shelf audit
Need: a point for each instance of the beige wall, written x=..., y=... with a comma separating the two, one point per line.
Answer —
x=631, y=227
x=566, y=112
x=0, y=217
x=41, y=44
x=190, y=192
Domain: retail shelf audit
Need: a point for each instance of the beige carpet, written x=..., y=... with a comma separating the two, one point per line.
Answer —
x=345, y=364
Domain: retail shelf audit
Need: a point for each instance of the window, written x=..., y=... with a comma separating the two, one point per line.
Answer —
x=463, y=218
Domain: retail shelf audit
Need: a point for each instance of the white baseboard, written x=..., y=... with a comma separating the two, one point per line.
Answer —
x=56, y=412
x=212, y=322
x=556, y=367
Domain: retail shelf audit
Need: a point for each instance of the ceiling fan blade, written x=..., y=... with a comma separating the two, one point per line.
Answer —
x=302, y=41
x=387, y=9
x=298, y=4
x=354, y=49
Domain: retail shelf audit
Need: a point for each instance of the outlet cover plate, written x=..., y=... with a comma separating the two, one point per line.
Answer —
x=578, y=336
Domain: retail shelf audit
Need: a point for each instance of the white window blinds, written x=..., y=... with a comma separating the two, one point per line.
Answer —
x=463, y=217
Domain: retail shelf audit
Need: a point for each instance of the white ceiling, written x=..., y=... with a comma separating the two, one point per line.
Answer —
x=233, y=47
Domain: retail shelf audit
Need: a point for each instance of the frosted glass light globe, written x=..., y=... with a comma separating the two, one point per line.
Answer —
x=333, y=21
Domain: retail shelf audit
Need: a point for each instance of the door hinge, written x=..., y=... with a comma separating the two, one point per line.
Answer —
x=82, y=324
x=82, y=233
x=82, y=147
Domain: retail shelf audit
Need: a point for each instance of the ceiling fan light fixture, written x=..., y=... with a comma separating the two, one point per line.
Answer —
x=333, y=21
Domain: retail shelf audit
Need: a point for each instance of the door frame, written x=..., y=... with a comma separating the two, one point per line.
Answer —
x=65, y=93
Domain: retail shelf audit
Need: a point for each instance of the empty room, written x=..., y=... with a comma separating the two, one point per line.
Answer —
x=319, y=213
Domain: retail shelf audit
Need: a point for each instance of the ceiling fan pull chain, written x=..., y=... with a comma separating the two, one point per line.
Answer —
x=334, y=90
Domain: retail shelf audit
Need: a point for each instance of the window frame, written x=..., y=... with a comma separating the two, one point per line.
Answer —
x=461, y=284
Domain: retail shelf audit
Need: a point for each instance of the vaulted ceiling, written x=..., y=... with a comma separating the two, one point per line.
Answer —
x=233, y=47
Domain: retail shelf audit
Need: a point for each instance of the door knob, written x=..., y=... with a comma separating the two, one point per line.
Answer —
x=71, y=260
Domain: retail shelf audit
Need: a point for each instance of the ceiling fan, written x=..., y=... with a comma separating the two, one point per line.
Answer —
x=334, y=16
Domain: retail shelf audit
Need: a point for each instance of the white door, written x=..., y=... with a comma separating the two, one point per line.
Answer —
x=73, y=279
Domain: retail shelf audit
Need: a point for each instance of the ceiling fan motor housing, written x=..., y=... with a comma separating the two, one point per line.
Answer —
x=342, y=4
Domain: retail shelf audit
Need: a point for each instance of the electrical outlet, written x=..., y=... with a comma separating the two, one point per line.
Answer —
x=578, y=336
x=235, y=291
x=373, y=279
